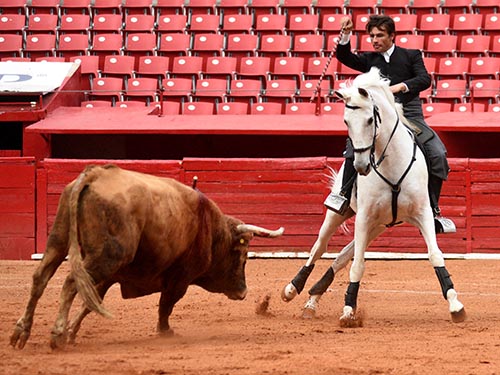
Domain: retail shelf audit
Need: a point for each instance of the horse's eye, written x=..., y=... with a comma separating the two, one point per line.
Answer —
x=370, y=121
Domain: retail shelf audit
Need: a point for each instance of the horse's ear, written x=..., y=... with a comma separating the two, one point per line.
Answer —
x=363, y=92
x=339, y=95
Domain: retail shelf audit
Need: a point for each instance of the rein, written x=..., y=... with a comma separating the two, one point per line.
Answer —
x=395, y=188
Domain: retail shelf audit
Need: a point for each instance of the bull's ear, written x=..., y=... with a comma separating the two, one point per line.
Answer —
x=363, y=92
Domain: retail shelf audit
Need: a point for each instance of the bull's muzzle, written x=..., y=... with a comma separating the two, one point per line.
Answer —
x=237, y=295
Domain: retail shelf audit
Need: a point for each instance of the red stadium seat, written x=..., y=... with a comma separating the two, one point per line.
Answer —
x=452, y=67
x=254, y=66
x=140, y=44
x=484, y=67
x=130, y=104
x=75, y=7
x=309, y=88
x=288, y=67
x=42, y=23
x=485, y=91
x=494, y=107
x=474, y=45
x=303, y=24
x=393, y=7
x=242, y=45
x=330, y=24
x=173, y=44
x=365, y=43
x=143, y=89
x=168, y=107
x=237, y=24
x=178, y=88
x=89, y=69
x=491, y=24
x=110, y=88
x=13, y=6
x=441, y=46
x=315, y=67
x=435, y=108
x=267, y=108
x=405, y=23
x=274, y=45
x=336, y=108
x=40, y=45
x=73, y=23
x=138, y=7
x=270, y=24
x=196, y=7
x=172, y=23
x=257, y=7
x=107, y=44
x=468, y=107
x=164, y=7
x=304, y=108
x=231, y=7
x=198, y=108
x=355, y=7
x=99, y=7
x=118, y=66
x=232, y=108
x=282, y=90
x=107, y=23
x=466, y=24
x=139, y=23
x=433, y=23
x=410, y=41
x=43, y=7
x=310, y=45
x=217, y=66
x=323, y=7
x=204, y=23
x=245, y=89
x=293, y=7
x=208, y=44
x=360, y=22
x=450, y=91
x=12, y=23
x=486, y=6
x=72, y=44
x=157, y=66
x=211, y=88
x=454, y=7
x=50, y=59
x=421, y=7
x=187, y=66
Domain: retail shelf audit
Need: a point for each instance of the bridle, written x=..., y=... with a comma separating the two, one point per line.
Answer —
x=395, y=188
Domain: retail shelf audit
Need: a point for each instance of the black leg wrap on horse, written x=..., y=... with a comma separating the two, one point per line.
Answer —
x=322, y=285
x=444, y=279
x=351, y=296
x=300, y=280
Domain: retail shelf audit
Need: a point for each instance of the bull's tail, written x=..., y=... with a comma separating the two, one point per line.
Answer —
x=84, y=283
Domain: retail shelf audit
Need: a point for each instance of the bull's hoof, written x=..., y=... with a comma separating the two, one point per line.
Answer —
x=459, y=316
x=289, y=292
x=19, y=337
x=166, y=333
x=58, y=341
x=308, y=313
x=350, y=318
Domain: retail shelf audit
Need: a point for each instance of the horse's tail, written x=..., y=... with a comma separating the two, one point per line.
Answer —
x=84, y=282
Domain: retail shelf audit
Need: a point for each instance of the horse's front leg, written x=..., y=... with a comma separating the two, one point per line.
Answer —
x=330, y=224
x=322, y=285
x=363, y=236
x=436, y=258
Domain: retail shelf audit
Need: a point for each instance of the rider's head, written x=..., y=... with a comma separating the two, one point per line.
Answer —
x=382, y=31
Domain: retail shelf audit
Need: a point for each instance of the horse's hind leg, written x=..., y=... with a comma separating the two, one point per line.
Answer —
x=330, y=224
x=322, y=285
x=436, y=258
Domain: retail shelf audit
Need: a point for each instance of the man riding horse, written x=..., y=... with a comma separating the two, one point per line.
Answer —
x=408, y=77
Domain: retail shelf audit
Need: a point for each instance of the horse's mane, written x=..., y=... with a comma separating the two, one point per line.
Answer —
x=375, y=79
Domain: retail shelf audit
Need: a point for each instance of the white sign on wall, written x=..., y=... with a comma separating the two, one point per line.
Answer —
x=34, y=77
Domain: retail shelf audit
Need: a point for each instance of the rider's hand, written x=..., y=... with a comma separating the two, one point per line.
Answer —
x=346, y=24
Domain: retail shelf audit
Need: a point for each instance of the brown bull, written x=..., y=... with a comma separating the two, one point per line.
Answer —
x=148, y=234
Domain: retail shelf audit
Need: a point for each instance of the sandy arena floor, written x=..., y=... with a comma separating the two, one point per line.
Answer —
x=407, y=328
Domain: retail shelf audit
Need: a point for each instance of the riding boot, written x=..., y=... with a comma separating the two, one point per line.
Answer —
x=339, y=203
x=442, y=224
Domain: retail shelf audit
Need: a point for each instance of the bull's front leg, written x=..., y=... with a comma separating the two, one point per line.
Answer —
x=22, y=330
x=168, y=299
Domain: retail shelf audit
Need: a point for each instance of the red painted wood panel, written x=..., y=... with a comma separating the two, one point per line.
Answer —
x=17, y=207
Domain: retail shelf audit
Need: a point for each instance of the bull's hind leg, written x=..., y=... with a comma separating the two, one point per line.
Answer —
x=330, y=225
x=59, y=331
x=75, y=324
x=436, y=258
x=322, y=285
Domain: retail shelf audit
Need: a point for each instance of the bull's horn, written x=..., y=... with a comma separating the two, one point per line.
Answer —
x=259, y=231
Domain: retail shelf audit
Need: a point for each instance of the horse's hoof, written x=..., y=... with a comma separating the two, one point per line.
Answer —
x=350, y=318
x=58, y=341
x=308, y=313
x=459, y=316
x=288, y=293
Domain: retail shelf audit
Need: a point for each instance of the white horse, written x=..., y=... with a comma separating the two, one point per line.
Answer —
x=394, y=192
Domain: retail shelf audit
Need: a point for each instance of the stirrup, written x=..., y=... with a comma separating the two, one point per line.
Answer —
x=444, y=225
x=337, y=203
